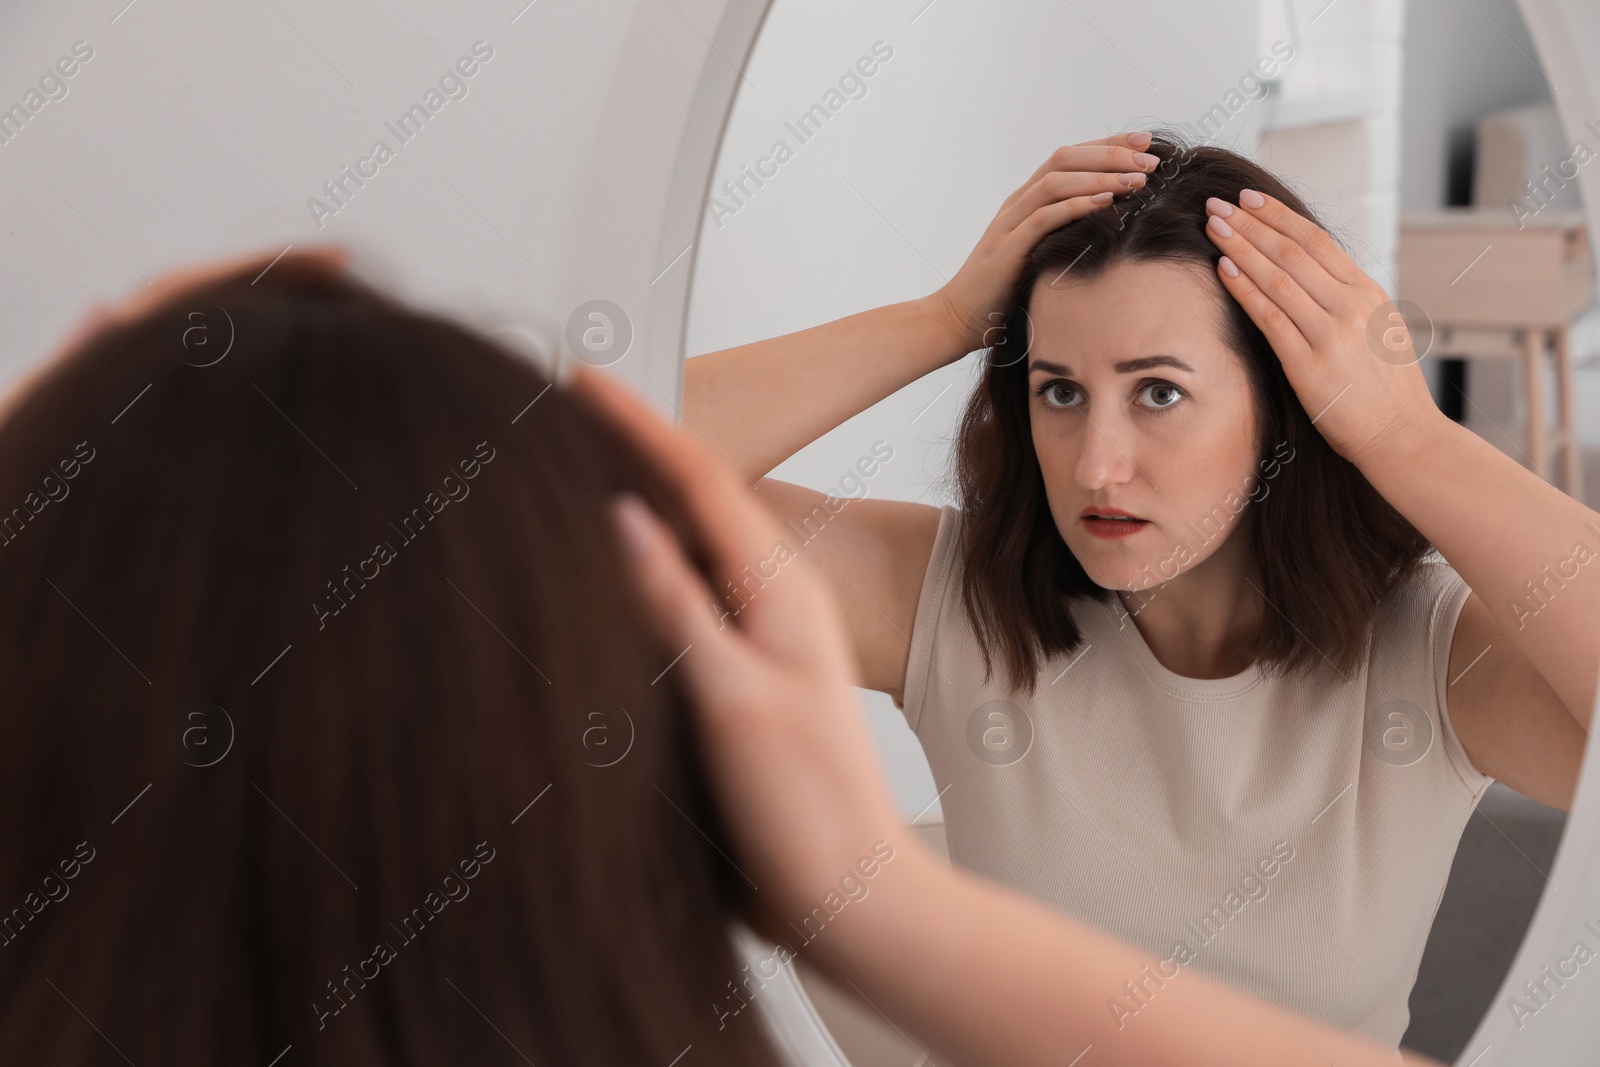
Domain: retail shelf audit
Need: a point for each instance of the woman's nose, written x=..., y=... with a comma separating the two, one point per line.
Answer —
x=1106, y=456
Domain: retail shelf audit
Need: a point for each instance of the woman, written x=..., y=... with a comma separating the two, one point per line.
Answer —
x=341, y=732
x=1181, y=659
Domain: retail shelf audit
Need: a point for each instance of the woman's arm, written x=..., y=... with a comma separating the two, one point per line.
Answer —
x=1525, y=657
x=983, y=974
x=760, y=403
x=989, y=976
x=1530, y=553
x=1518, y=542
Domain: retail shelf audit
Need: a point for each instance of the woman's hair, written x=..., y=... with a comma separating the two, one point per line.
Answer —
x=332, y=716
x=1327, y=546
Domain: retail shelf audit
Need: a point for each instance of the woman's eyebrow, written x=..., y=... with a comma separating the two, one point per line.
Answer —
x=1127, y=366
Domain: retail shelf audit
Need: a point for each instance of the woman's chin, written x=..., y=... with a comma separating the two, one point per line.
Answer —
x=1111, y=566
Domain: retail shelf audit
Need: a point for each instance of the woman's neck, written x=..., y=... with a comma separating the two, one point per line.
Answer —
x=1204, y=623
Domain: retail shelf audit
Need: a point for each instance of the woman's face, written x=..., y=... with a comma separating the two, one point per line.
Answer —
x=1138, y=408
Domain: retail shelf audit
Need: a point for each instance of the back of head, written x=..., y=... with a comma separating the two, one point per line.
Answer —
x=1328, y=548
x=333, y=721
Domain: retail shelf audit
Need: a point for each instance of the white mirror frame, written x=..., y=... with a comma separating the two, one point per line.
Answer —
x=634, y=243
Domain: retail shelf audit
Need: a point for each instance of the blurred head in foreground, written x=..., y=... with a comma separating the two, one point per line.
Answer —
x=332, y=719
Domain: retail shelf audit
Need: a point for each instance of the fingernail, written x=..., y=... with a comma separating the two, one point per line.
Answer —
x=1101, y=197
x=1145, y=159
x=1228, y=267
x=1218, y=206
x=1251, y=198
x=635, y=524
x=1133, y=178
x=1220, y=228
x=1140, y=139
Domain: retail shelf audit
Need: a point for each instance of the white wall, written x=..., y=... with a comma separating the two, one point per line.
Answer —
x=1333, y=129
x=888, y=199
x=200, y=129
x=1460, y=64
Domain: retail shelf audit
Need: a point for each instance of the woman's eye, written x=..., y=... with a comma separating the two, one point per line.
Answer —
x=1057, y=394
x=1161, y=394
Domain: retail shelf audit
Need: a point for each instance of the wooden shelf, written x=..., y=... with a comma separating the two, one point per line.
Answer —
x=1499, y=287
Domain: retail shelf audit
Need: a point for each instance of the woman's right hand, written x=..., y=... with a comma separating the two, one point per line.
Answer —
x=793, y=766
x=1074, y=181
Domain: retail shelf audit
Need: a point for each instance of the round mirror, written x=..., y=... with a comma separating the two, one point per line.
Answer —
x=866, y=152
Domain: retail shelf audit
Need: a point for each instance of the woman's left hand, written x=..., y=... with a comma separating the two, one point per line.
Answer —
x=1344, y=346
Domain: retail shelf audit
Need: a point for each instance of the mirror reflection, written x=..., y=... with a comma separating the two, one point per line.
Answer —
x=1210, y=512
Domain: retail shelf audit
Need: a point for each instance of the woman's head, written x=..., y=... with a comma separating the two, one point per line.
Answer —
x=1127, y=381
x=325, y=683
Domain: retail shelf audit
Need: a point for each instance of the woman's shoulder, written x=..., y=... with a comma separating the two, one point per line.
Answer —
x=1409, y=666
x=1419, y=590
x=940, y=528
x=1416, y=620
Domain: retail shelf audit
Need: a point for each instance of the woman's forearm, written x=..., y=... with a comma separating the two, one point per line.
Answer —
x=760, y=403
x=1530, y=551
x=988, y=976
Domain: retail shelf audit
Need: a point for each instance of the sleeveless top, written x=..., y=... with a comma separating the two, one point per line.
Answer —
x=1290, y=836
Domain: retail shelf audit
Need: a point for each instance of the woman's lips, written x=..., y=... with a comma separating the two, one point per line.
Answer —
x=1110, y=528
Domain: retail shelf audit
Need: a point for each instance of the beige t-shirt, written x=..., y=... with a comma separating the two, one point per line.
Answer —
x=1290, y=836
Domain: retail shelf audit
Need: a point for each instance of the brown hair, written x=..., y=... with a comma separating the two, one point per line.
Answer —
x=1327, y=546
x=266, y=782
